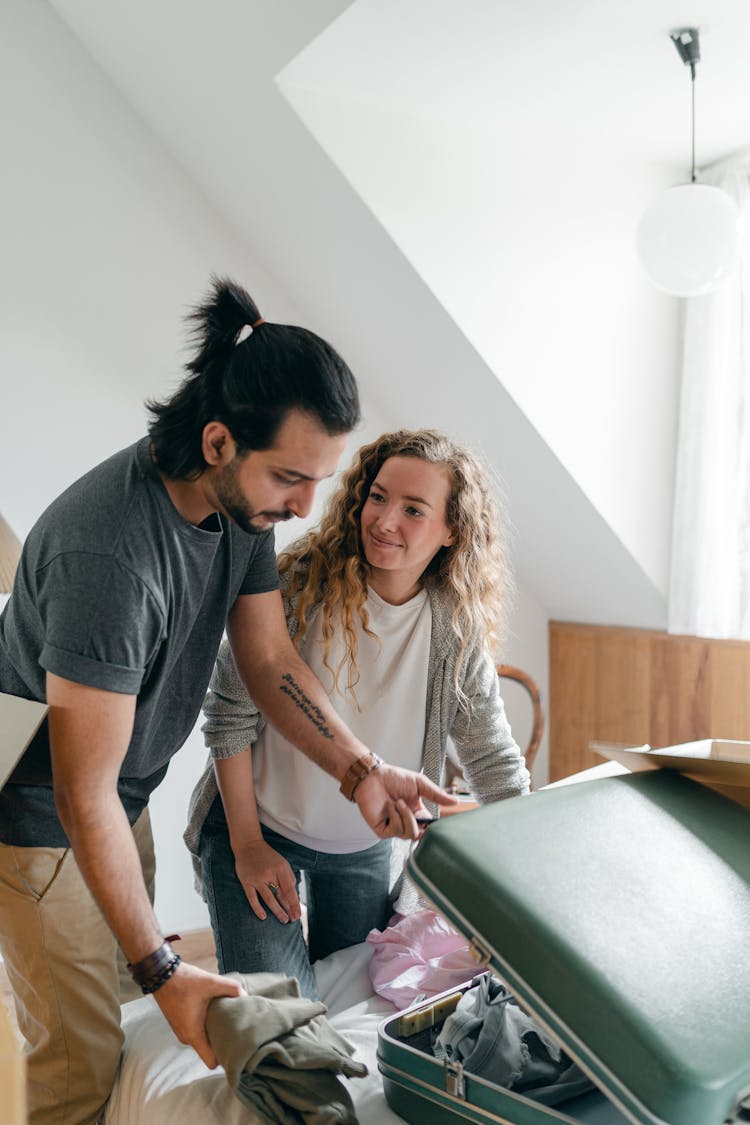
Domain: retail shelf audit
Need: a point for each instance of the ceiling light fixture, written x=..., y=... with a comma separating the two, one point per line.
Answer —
x=688, y=238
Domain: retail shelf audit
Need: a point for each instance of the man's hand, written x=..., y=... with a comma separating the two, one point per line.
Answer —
x=390, y=800
x=265, y=875
x=184, y=1000
x=85, y=784
x=291, y=697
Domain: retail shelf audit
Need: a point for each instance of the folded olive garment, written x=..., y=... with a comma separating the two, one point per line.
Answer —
x=280, y=1054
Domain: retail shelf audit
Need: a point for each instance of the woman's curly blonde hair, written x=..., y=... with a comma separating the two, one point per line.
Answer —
x=327, y=565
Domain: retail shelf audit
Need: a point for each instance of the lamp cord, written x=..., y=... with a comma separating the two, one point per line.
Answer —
x=692, y=88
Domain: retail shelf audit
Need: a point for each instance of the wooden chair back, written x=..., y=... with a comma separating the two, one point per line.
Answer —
x=509, y=672
x=455, y=781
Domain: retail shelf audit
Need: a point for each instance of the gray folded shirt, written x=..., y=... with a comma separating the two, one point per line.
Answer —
x=491, y=1036
x=280, y=1054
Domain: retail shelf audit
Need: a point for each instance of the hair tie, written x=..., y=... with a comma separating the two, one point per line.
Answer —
x=247, y=330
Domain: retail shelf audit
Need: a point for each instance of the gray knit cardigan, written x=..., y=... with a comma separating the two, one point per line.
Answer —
x=490, y=759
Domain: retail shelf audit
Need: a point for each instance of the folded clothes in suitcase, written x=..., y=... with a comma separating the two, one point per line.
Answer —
x=617, y=911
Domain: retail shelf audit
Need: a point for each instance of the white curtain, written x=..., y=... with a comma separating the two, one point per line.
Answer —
x=710, y=574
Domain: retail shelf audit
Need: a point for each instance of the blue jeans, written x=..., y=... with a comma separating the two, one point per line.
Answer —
x=347, y=895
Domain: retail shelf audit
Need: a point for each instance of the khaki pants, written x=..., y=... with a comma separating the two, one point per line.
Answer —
x=62, y=962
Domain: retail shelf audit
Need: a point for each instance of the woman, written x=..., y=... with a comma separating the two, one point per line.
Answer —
x=396, y=601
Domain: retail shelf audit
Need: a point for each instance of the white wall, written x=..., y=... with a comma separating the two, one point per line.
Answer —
x=481, y=168
x=231, y=128
x=105, y=243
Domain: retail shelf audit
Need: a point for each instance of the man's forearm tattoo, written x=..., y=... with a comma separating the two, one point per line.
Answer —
x=291, y=688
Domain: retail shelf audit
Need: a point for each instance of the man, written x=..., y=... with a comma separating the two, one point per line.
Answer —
x=124, y=589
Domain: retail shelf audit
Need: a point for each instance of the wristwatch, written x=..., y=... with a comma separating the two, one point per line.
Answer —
x=358, y=771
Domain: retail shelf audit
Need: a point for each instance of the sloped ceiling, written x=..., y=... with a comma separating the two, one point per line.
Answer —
x=202, y=77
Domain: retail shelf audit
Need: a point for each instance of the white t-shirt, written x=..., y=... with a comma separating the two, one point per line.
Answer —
x=297, y=798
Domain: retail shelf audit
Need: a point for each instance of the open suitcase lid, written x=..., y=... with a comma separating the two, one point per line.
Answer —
x=618, y=912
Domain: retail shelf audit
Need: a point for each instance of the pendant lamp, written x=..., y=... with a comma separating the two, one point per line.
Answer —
x=688, y=238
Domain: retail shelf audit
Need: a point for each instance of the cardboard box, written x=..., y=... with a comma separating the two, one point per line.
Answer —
x=20, y=719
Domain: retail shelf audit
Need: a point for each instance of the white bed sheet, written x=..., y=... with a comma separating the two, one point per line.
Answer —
x=163, y=1082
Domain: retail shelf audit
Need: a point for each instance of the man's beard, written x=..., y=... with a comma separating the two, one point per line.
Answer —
x=234, y=503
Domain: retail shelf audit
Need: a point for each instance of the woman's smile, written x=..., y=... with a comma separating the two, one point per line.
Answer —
x=379, y=541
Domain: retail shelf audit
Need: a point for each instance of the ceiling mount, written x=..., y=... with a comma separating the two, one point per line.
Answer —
x=687, y=42
x=688, y=238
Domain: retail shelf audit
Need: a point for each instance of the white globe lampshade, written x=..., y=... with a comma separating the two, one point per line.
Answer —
x=688, y=239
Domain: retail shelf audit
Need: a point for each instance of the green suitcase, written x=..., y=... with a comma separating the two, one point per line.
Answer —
x=618, y=913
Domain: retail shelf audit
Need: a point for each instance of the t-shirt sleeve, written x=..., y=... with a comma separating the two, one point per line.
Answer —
x=102, y=624
x=262, y=574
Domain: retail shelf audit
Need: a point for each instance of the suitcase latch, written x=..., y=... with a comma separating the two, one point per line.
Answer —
x=480, y=952
x=454, y=1079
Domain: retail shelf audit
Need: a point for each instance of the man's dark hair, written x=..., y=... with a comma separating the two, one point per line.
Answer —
x=250, y=385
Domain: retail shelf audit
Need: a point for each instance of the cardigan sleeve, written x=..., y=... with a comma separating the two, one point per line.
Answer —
x=490, y=758
x=232, y=721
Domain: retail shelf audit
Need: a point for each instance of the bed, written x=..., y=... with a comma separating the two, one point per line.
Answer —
x=163, y=1082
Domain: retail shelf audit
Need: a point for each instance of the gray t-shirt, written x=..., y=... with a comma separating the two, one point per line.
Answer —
x=116, y=590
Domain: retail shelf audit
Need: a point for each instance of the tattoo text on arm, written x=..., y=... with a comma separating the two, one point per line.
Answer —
x=291, y=688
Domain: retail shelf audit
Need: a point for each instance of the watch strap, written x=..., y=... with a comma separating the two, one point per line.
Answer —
x=358, y=771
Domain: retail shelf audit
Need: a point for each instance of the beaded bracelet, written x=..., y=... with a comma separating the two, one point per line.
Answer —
x=153, y=971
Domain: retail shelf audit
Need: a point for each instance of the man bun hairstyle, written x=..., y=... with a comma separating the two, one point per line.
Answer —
x=249, y=374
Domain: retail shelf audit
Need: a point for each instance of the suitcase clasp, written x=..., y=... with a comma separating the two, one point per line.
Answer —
x=480, y=952
x=454, y=1079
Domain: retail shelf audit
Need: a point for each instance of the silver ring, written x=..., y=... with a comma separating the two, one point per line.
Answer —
x=273, y=887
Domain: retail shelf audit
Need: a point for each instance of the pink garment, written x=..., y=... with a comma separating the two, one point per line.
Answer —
x=419, y=954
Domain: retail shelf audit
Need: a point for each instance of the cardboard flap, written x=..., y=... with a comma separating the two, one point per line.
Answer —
x=20, y=719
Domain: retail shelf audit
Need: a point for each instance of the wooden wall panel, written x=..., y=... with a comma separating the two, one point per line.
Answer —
x=680, y=690
x=572, y=700
x=636, y=685
x=621, y=674
x=730, y=691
